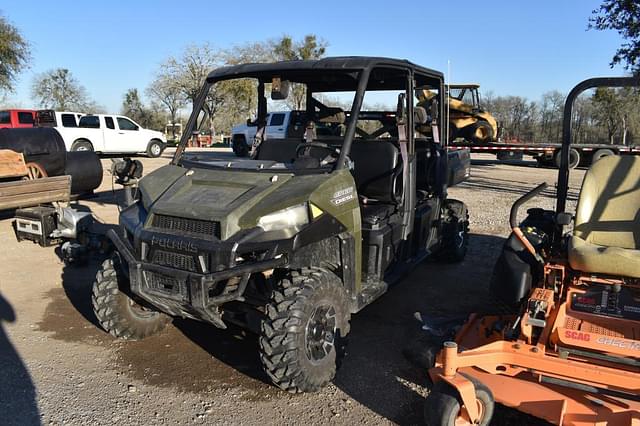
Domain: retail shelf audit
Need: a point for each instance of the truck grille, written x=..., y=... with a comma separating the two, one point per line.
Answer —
x=192, y=226
x=174, y=260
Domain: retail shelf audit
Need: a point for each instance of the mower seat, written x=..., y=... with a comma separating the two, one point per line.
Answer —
x=606, y=237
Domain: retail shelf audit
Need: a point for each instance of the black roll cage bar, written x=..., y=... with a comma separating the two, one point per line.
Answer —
x=563, y=173
x=364, y=73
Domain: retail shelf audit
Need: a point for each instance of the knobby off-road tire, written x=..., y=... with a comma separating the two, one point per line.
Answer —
x=443, y=405
x=303, y=335
x=117, y=313
x=455, y=232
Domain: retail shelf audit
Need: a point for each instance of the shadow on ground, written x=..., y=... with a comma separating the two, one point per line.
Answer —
x=18, y=405
x=376, y=374
x=196, y=357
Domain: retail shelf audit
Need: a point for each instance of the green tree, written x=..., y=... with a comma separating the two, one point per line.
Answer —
x=59, y=89
x=149, y=117
x=15, y=54
x=616, y=111
x=286, y=49
x=622, y=16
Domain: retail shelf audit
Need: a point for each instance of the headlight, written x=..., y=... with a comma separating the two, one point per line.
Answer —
x=291, y=217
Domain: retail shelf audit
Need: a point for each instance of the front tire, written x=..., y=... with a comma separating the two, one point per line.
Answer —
x=118, y=313
x=302, y=338
x=480, y=133
x=239, y=146
x=154, y=149
x=444, y=408
x=455, y=232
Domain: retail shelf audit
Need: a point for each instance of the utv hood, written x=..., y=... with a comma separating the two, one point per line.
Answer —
x=223, y=196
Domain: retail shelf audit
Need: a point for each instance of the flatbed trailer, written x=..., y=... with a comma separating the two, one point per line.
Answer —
x=548, y=154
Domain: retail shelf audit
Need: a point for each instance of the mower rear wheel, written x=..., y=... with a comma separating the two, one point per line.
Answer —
x=443, y=406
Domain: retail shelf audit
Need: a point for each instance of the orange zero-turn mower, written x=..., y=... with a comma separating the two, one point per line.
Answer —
x=568, y=351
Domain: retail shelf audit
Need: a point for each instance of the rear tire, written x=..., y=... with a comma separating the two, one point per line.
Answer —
x=82, y=145
x=154, y=149
x=479, y=133
x=303, y=335
x=574, y=158
x=601, y=153
x=239, y=146
x=443, y=405
x=455, y=232
x=118, y=313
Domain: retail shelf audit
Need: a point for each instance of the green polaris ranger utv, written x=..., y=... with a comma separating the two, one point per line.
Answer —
x=308, y=230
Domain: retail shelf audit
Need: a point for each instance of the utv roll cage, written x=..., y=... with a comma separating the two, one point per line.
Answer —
x=359, y=74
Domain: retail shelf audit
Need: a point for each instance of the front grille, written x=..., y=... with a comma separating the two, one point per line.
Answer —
x=206, y=228
x=174, y=260
x=164, y=284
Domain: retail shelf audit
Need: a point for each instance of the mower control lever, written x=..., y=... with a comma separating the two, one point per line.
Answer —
x=513, y=220
x=513, y=217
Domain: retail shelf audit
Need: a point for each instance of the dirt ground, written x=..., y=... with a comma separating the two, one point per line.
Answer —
x=58, y=367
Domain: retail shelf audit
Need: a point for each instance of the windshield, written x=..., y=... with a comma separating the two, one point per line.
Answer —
x=302, y=120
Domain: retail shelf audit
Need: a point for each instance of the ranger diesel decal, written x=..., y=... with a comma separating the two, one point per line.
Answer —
x=342, y=196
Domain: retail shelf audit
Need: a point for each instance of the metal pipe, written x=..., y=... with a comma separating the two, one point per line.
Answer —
x=449, y=359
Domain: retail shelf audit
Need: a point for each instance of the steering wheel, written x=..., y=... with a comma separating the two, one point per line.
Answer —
x=333, y=154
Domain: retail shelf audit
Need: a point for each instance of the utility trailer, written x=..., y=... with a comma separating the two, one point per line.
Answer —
x=548, y=154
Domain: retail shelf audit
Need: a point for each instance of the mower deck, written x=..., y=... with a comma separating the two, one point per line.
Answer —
x=586, y=375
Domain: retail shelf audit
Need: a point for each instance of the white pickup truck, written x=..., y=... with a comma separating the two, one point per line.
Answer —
x=280, y=125
x=103, y=133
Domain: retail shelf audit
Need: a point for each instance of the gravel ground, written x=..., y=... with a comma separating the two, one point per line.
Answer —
x=58, y=367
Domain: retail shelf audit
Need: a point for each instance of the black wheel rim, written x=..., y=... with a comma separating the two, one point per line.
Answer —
x=320, y=333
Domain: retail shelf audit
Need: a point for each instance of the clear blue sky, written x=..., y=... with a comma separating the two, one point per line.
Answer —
x=510, y=47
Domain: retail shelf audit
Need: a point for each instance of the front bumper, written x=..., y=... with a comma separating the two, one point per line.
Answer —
x=189, y=294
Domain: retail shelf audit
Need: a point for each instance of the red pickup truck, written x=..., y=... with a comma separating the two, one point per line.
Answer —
x=14, y=118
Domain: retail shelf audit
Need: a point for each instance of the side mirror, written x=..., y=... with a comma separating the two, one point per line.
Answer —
x=279, y=89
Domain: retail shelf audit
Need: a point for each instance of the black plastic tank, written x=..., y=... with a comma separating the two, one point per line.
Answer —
x=85, y=169
x=44, y=146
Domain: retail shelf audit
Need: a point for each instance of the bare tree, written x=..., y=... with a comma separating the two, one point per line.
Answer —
x=168, y=94
x=15, y=54
x=59, y=89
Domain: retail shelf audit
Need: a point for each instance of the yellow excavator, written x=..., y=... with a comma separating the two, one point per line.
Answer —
x=467, y=118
